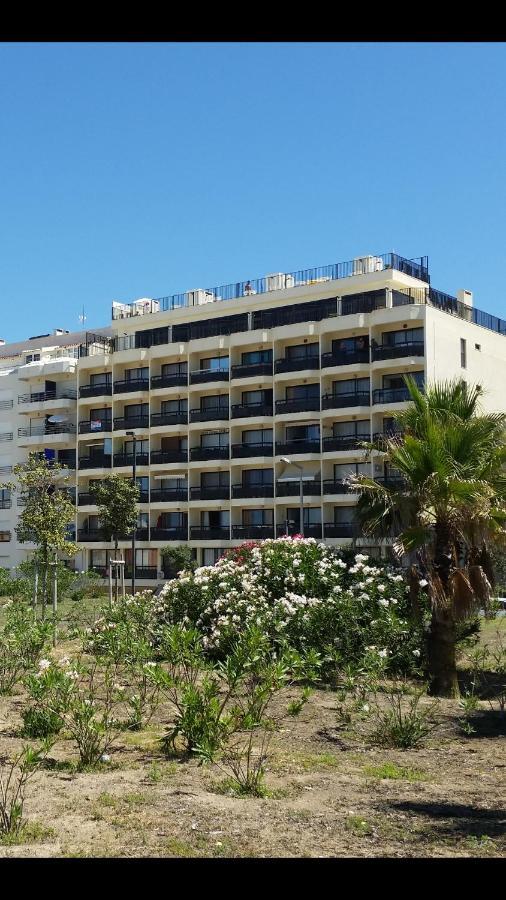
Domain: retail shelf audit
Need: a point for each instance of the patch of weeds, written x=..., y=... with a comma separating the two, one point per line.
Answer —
x=30, y=833
x=232, y=788
x=480, y=842
x=157, y=772
x=395, y=772
x=307, y=762
x=134, y=799
x=106, y=799
x=358, y=826
x=174, y=847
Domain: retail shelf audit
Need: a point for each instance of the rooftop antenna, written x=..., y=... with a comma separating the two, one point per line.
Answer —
x=82, y=317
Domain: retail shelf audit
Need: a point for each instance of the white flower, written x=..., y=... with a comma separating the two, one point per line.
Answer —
x=383, y=602
x=423, y=582
x=105, y=757
x=383, y=653
x=44, y=664
x=416, y=653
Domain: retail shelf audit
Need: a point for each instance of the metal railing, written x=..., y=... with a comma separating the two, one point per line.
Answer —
x=202, y=375
x=246, y=410
x=173, y=418
x=96, y=390
x=199, y=453
x=340, y=401
x=397, y=351
x=310, y=488
x=95, y=425
x=255, y=532
x=248, y=370
x=127, y=459
x=245, y=450
x=180, y=379
x=42, y=396
x=314, y=530
x=341, y=530
x=219, y=492
x=252, y=490
x=342, y=358
x=391, y=395
x=132, y=384
x=344, y=442
x=302, y=404
x=333, y=486
x=121, y=423
x=47, y=430
x=95, y=462
x=169, y=495
x=169, y=534
x=208, y=533
x=303, y=446
x=299, y=364
x=168, y=456
x=209, y=414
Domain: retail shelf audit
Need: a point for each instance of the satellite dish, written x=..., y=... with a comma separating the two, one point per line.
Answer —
x=57, y=420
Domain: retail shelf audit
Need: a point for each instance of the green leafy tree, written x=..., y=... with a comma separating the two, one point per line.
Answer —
x=446, y=511
x=47, y=513
x=177, y=559
x=117, y=499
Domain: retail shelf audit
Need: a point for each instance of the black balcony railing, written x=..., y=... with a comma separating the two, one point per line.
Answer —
x=169, y=418
x=131, y=384
x=146, y=573
x=394, y=482
x=159, y=457
x=209, y=414
x=294, y=447
x=344, y=442
x=247, y=370
x=207, y=533
x=252, y=490
x=164, y=381
x=86, y=498
x=340, y=401
x=391, y=395
x=5, y=504
x=202, y=375
x=379, y=437
x=122, y=423
x=219, y=492
x=199, y=453
x=90, y=534
x=245, y=410
x=298, y=364
x=168, y=495
x=245, y=450
x=95, y=425
x=341, y=530
x=334, y=486
x=302, y=404
x=43, y=396
x=396, y=351
x=95, y=462
x=292, y=488
x=342, y=358
x=47, y=430
x=127, y=459
x=314, y=530
x=169, y=534
x=253, y=532
x=96, y=390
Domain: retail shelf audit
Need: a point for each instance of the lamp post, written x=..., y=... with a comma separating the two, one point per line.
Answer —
x=289, y=462
x=134, y=472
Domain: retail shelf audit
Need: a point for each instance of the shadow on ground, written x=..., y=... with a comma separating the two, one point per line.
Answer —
x=456, y=819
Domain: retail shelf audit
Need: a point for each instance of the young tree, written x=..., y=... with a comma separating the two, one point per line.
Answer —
x=117, y=499
x=47, y=513
x=447, y=509
x=175, y=559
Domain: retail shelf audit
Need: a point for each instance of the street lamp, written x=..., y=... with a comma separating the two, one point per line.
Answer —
x=134, y=472
x=289, y=462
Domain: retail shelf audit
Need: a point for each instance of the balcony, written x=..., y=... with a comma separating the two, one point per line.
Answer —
x=121, y=423
x=158, y=457
x=5, y=504
x=86, y=498
x=96, y=390
x=143, y=573
x=336, y=487
x=313, y=531
x=252, y=532
x=294, y=447
x=344, y=442
x=252, y=490
x=342, y=358
x=206, y=533
x=249, y=370
x=45, y=396
x=397, y=351
x=141, y=534
x=340, y=401
x=292, y=488
x=202, y=375
x=242, y=451
x=95, y=462
x=391, y=395
x=179, y=379
x=46, y=431
x=304, y=404
x=127, y=459
x=341, y=530
x=299, y=364
x=174, y=418
x=169, y=534
x=246, y=410
x=169, y=495
x=210, y=414
x=131, y=384
x=219, y=492
x=95, y=425
x=90, y=534
x=200, y=453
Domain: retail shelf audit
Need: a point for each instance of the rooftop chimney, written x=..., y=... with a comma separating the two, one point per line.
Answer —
x=465, y=297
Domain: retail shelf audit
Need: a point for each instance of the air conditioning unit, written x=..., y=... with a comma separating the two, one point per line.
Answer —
x=145, y=305
x=364, y=264
x=276, y=281
x=120, y=310
x=199, y=296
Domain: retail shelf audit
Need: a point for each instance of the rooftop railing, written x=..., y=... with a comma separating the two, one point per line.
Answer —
x=416, y=268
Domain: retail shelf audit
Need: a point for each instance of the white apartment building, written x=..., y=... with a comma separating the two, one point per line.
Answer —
x=235, y=394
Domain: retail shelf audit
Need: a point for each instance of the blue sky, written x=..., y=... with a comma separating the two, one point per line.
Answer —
x=138, y=170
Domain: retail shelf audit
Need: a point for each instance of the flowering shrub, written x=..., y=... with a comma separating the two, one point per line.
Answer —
x=21, y=641
x=124, y=632
x=303, y=593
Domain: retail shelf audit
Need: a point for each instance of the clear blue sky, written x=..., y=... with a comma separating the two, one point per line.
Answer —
x=138, y=170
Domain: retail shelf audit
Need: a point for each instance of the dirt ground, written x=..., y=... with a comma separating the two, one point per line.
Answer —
x=329, y=795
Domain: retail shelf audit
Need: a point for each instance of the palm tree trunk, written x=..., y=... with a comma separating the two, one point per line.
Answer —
x=442, y=663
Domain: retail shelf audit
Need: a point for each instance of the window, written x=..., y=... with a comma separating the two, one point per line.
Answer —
x=5, y=536
x=252, y=357
x=302, y=433
x=32, y=357
x=211, y=555
x=171, y=520
x=344, y=515
x=251, y=398
x=174, y=406
x=257, y=517
x=477, y=346
x=215, y=401
x=214, y=479
x=142, y=483
x=350, y=345
x=101, y=378
x=257, y=436
x=463, y=353
x=143, y=520
x=172, y=483
x=179, y=368
x=99, y=559
x=136, y=410
x=351, y=386
x=406, y=336
x=302, y=351
x=303, y=391
x=215, y=519
x=396, y=382
x=142, y=447
x=101, y=415
x=312, y=515
x=359, y=429
x=255, y=477
x=342, y=470
x=214, y=439
x=137, y=374
x=214, y=364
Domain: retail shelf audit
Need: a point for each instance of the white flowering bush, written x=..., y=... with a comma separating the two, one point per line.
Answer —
x=303, y=593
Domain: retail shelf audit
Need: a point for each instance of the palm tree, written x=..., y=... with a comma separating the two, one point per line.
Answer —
x=449, y=503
